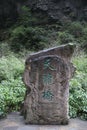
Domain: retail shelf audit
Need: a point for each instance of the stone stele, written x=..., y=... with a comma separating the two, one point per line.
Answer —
x=47, y=74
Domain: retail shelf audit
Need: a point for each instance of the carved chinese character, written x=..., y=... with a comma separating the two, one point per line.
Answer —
x=47, y=79
x=47, y=95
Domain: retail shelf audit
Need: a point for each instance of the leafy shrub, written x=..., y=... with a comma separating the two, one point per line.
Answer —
x=65, y=37
x=26, y=17
x=27, y=33
x=78, y=90
x=84, y=39
x=76, y=29
x=28, y=37
x=10, y=67
x=12, y=93
x=4, y=49
x=12, y=89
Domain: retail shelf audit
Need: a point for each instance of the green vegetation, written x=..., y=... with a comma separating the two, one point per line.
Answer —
x=28, y=37
x=12, y=89
x=33, y=32
x=73, y=32
x=65, y=37
x=27, y=33
x=78, y=89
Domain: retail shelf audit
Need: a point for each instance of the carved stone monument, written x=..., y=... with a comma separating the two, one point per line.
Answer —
x=46, y=76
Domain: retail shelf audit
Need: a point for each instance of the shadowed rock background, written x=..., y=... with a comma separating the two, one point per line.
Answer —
x=56, y=9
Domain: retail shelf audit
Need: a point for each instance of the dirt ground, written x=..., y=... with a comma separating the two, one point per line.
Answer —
x=15, y=121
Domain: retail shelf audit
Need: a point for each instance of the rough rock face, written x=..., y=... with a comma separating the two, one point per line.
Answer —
x=56, y=9
x=46, y=76
x=61, y=9
x=8, y=12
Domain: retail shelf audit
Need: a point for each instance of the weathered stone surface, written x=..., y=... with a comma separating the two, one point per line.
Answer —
x=46, y=76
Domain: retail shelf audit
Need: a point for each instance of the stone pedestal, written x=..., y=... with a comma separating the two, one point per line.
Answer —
x=46, y=76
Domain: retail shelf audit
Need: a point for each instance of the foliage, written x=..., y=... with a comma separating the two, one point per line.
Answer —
x=78, y=89
x=84, y=39
x=10, y=67
x=12, y=89
x=32, y=33
x=28, y=37
x=12, y=93
x=26, y=18
x=65, y=37
x=73, y=32
x=35, y=31
x=76, y=29
x=4, y=49
x=26, y=33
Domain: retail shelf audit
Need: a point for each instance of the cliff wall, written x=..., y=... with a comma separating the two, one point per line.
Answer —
x=56, y=9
